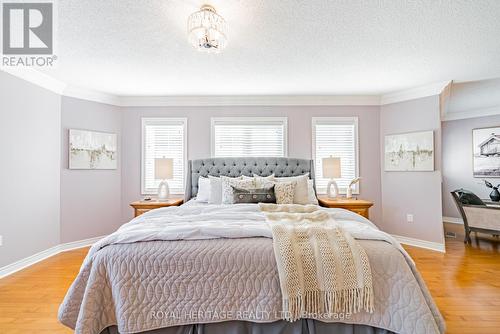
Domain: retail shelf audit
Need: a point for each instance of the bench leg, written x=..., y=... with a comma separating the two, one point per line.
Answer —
x=467, y=240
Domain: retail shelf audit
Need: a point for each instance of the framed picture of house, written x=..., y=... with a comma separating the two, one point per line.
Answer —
x=486, y=152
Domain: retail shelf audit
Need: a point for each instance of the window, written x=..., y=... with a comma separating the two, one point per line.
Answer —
x=337, y=137
x=249, y=137
x=163, y=137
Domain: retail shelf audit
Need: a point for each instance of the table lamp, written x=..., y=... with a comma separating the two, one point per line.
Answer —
x=164, y=169
x=332, y=170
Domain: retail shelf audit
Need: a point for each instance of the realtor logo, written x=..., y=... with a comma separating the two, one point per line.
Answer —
x=28, y=29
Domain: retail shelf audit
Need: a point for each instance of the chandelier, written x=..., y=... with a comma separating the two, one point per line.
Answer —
x=207, y=30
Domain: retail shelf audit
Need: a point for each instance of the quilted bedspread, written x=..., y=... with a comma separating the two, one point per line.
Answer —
x=203, y=264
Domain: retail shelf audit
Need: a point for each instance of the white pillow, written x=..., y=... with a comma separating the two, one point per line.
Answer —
x=244, y=177
x=203, y=189
x=215, y=196
x=229, y=182
x=261, y=181
x=311, y=194
x=301, y=195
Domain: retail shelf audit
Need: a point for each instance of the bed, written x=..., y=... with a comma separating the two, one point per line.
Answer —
x=202, y=268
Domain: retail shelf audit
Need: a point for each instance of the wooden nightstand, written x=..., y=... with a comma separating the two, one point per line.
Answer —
x=359, y=206
x=144, y=206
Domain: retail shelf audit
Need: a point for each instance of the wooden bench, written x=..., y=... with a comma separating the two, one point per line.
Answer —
x=478, y=218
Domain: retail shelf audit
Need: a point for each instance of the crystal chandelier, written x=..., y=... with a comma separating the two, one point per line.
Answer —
x=207, y=30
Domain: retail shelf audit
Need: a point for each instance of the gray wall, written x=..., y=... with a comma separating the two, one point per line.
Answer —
x=90, y=199
x=44, y=203
x=417, y=193
x=30, y=165
x=457, y=160
x=299, y=140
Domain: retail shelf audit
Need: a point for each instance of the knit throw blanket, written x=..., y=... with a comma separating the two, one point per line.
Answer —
x=322, y=269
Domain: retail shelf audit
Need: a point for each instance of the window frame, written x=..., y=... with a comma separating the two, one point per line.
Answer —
x=172, y=120
x=244, y=121
x=334, y=120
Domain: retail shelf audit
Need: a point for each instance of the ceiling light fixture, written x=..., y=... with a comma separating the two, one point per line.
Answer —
x=207, y=30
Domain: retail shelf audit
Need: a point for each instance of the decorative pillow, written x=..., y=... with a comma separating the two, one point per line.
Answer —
x=203, y=189
x=245, y=177
x=284, y=192
x=215, y=196
x=468, y=197
x=254, y=195
x=301, y=195
x=311, y=194
x=228, y=182
x=261, y=181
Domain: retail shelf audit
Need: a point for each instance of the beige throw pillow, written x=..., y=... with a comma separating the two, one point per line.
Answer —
x=301, y=195
x=284, y=192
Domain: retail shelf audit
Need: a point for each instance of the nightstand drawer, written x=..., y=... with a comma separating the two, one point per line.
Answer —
x=359, y=206
x=362, y=212
x=141, y=207
x=139, y=212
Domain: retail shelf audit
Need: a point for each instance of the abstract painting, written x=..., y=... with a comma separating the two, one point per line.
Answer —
x=486, y=152
x=92, y=150
x=411, y=152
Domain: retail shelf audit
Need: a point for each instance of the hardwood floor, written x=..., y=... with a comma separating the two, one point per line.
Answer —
x=465, y=283
x=30, y=298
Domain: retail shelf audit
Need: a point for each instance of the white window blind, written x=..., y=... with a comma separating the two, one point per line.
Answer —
x=249, y=137
x=336, y=137
x=163, y=137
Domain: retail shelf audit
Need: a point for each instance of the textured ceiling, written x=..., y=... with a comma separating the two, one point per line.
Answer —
x=139, y=47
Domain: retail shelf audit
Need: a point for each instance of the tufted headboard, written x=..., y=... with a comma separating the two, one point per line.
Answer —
x=234, y=167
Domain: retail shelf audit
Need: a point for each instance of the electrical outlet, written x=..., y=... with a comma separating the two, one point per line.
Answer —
x=409, y=218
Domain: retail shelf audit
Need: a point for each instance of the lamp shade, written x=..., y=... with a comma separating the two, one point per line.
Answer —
x=331, y=168
x=164, y=168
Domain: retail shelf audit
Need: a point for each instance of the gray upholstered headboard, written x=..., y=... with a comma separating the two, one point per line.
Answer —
x=234, y=167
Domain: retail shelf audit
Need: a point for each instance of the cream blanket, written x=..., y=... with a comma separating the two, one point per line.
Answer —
x=322, y=269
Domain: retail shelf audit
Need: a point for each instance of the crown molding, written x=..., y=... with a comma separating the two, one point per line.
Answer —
x=91, y=95
x=414, y=93
x=45, y=81
x=453, y=116
x=444, y=100
x=251, y=100
x=37, y=78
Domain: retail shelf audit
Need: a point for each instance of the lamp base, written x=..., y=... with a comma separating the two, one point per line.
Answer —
x=163, y=191
x=332, y=194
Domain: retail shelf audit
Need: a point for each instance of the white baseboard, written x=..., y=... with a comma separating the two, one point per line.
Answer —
x=453, y=220
x=435, y=246
x=31, y=260
x=79, y=243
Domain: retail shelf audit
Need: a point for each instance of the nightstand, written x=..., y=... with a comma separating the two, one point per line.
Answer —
x=144, y=206
x=358, y=206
